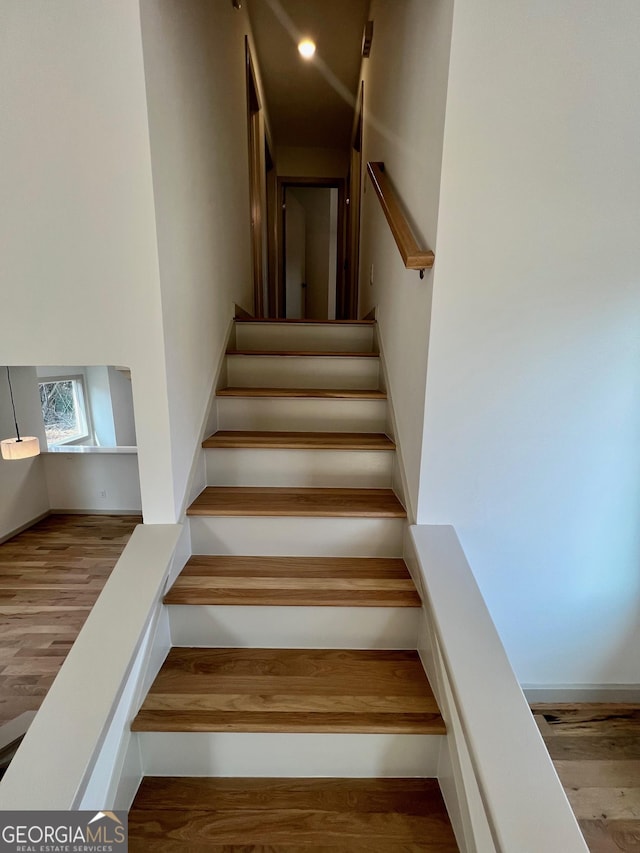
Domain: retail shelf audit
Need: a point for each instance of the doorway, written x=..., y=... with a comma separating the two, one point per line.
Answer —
x=312, y=268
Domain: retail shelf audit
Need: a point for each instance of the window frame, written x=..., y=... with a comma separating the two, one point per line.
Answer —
x=82, y=407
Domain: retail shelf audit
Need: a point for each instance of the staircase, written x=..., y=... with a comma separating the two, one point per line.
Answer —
x=293, y=712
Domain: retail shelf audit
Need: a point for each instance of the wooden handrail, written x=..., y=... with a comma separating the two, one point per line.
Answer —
x=413, y=257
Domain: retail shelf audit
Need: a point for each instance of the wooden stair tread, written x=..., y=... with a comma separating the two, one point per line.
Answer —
x=291, y=690
x=307, y=322
x=314, y=815
x=333, y=393
x=272, y=501
x=300, y=581
x=303, y=353
x=300, y=440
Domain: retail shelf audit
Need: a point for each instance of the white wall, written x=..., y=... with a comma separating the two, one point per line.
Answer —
x=77, y=231
x=405, y=83
x=533, y=399
x=194, y=60
x=23, y=488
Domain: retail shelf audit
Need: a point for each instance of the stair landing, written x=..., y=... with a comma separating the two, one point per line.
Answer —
x=289, y=815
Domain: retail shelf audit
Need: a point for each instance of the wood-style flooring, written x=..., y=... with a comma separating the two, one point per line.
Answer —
x=291, y=690
x=50, y=578
x=595, y=749
x=302, y=581
x=270, y=501
x=171, y=815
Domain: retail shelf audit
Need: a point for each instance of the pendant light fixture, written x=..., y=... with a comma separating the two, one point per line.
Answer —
x=18, y=448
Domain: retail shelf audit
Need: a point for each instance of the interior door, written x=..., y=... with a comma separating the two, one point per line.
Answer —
x=295, y=257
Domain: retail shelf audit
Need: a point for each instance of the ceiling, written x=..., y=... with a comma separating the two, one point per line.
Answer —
x=304, y=107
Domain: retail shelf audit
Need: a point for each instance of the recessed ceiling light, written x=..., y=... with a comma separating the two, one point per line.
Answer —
x=307, y=48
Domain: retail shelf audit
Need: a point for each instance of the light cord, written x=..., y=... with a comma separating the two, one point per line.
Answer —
x=13, y=406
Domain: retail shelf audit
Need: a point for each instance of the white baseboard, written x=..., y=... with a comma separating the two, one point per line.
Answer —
x=574, y=693
x=4, y=537
x=95, y=512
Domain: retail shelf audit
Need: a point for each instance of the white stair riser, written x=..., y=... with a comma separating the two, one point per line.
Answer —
x=290, y=755
x=302, y=414
x=297, y=536
x=304, y=337
x=247, y=371
x=311, y=468
x=294, y=627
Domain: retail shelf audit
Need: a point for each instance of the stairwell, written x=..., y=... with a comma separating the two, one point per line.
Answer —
x=293, y=711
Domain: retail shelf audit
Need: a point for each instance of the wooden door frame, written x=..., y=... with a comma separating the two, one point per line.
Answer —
x=255, y=146
x=271, y=308
x=352, y=274
x=309, y=183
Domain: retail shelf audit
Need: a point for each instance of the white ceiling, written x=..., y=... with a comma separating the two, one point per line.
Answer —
x=304, y=107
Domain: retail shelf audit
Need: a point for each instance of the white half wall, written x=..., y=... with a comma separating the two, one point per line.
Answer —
x=531, y=443
x=77, y=232
x=89, y=482
x=405, y=84
x=194, y=59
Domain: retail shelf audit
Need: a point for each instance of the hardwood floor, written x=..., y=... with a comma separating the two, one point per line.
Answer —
x=290, y=815
x=269, y=501
x=288, y=581
x=50, y=578
x=596, y=752
x=291, y=690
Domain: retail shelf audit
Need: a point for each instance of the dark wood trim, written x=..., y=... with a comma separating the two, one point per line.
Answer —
x=370, y=316
x=241, y=314
x=330, y=183
x=319, y=183
x=271, y=212
x=356, y=180
x=255, y=145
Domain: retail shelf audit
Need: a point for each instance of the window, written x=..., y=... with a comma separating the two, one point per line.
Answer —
x=63, y=410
